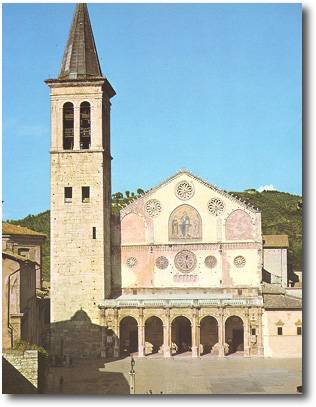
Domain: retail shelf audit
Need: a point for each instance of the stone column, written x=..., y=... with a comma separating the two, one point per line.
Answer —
x=57, y=126
x=221, y=333
x=96, y=118
x=167, y=335
x=76, y=126
x=195, y=335
x=116, y=326
x=107, y=127
x=55, y=117
x=260, y=333
x=246, y=333
x=141, y=336
x=103, y=342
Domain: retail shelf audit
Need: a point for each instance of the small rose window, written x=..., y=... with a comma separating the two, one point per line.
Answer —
x=210, y=261
x=239, y=261
x=131, y=262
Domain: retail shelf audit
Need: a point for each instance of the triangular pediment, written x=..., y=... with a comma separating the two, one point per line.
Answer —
x=184, y=173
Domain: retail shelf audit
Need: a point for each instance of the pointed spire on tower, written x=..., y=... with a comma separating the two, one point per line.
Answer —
x=80, y=58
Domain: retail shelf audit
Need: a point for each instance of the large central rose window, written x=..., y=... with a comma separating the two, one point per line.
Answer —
x=185, y=261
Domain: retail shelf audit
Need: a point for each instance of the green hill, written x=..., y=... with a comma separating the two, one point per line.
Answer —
x=281, y=214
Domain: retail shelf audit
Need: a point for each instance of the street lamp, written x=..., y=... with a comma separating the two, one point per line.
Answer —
x=132, y=377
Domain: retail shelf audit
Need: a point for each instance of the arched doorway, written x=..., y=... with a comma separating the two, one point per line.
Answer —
x=153, y=335
x=208, y=334
x=128, y=336
x=181, y=335
x=234, y=334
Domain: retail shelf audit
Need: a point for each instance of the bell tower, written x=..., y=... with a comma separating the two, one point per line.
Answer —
x=80, y=178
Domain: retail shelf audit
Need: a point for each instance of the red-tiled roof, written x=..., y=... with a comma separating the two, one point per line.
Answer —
x=275, y=240
x=9, y=229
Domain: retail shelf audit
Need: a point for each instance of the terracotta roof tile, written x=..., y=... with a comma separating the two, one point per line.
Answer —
x=9, y=229
x=275, y=240
x=280, y=301
x=268, y=288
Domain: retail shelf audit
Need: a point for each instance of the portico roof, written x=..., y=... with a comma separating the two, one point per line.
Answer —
x=179, y=300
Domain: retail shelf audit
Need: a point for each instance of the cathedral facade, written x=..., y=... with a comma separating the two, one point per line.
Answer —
x=179, y=271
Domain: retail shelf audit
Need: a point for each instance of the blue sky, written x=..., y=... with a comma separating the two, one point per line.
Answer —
x=215, y=88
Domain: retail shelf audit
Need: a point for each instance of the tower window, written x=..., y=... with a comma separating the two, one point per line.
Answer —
x=68, y=194
x=85, y=126
x=280, y=330
x=253, y=331
x=94, y=232
x=85, y=194
x=299, y=330
x=68, y=126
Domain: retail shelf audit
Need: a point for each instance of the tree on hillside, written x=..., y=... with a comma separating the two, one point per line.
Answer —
x=281, y=214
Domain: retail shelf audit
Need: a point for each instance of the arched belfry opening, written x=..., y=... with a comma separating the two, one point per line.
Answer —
x=181, y=335
x=128, y=336
x=153, y=335
x=208, y=334
x=85, y=126
x=68, y=126
x=234, y=334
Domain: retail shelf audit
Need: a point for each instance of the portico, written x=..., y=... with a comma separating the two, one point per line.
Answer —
x=172, y=325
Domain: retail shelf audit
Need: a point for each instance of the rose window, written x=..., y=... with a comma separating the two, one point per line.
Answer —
x=162, y=262
x=185, y=261
x=131, y=262
x=210, y=261
x=184, y=190
x=215, y=206
x=153, y=207
x=239, y=261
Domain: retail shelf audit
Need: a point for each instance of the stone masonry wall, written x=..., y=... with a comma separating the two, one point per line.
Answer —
x=23, y=372
x=80, y=263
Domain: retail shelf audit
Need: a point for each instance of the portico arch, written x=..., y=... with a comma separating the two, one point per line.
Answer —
x=128, y=335
x=234, y=334
x=181, y=335
x=208, y=333
x=153, y=335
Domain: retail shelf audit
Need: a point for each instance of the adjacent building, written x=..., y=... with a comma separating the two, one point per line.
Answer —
x=26, y=243
x=21, y=280
x=275, y=249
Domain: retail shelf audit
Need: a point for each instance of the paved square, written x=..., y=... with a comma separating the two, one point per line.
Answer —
x=180, y=375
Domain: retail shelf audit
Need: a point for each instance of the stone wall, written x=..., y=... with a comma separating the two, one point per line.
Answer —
x=23, y=372
x=80, y=230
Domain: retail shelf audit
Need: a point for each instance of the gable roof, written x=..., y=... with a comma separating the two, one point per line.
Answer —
x=10, y=229
x=275, y=240
x=268, y=288
x=188, y=173
x=281, y=301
